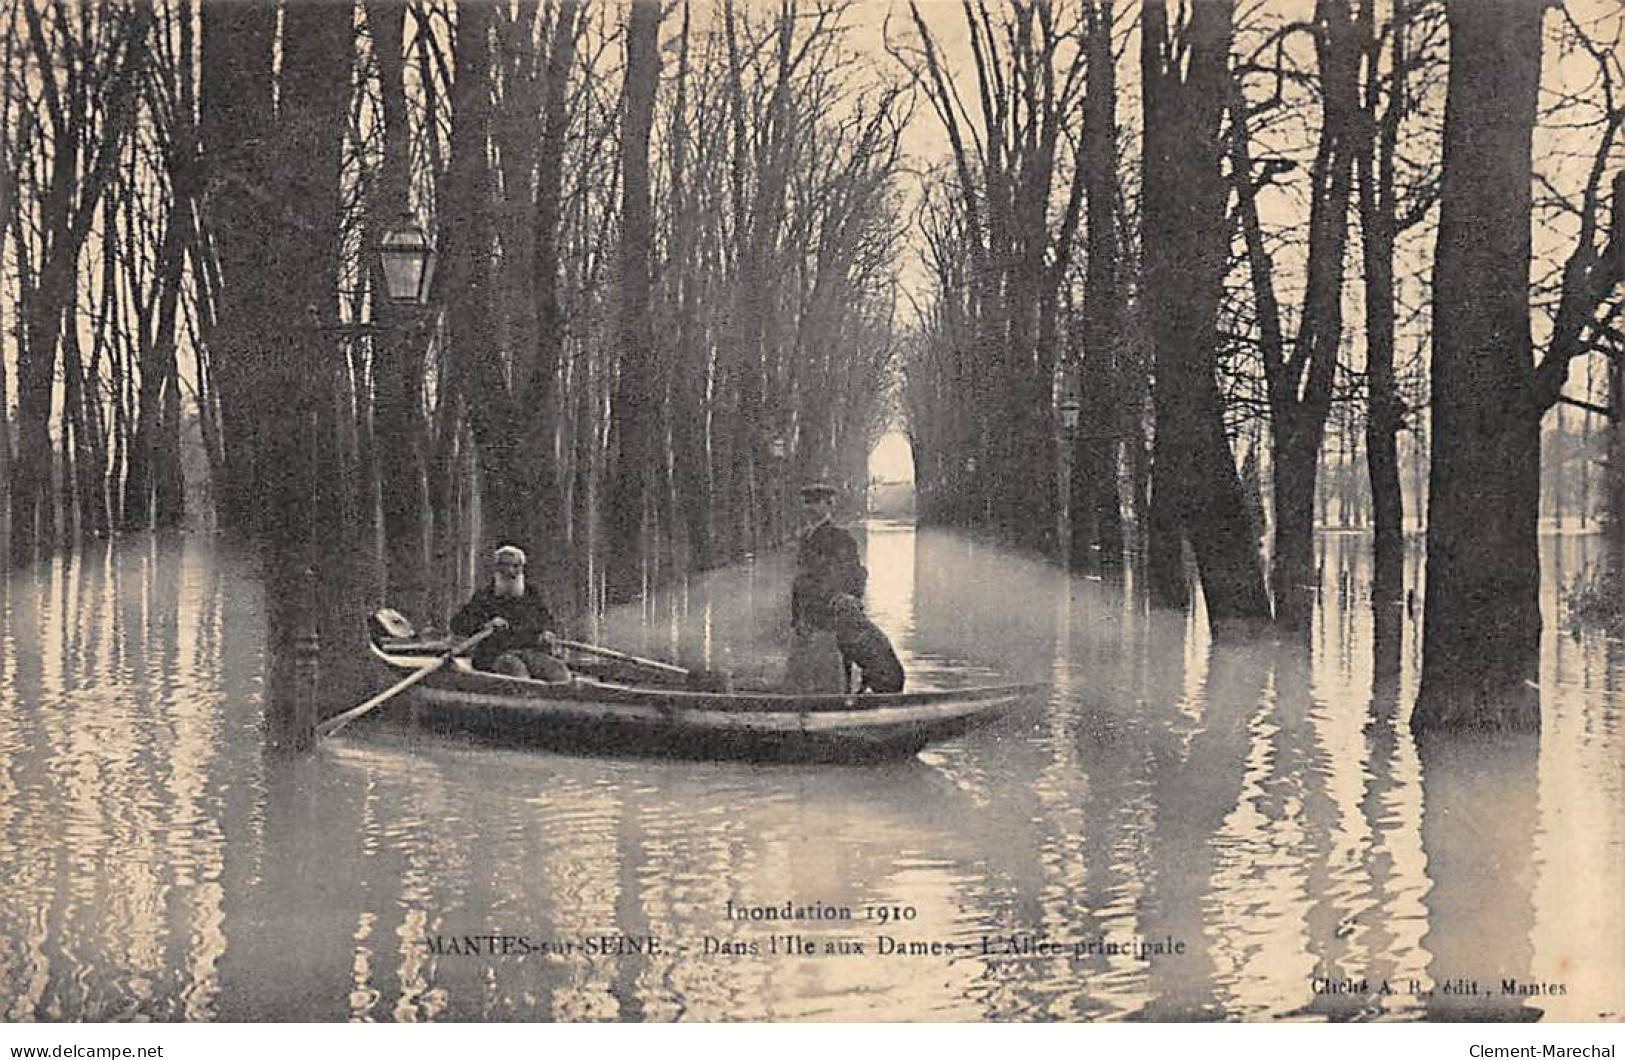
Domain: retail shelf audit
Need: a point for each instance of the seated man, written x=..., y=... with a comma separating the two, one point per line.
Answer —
x=524, y=626
x=866, y=646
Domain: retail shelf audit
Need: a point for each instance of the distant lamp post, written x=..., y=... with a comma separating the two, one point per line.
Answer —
x=1070, y=408
x=407, y=258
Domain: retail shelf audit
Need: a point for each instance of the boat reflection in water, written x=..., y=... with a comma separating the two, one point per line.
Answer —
x=1181, y=829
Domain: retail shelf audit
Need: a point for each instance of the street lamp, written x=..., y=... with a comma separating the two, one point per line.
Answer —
x=781, y=515
x=407, y=258
x=1070, y=407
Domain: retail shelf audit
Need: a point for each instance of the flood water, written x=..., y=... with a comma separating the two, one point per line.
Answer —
x=1177, y=830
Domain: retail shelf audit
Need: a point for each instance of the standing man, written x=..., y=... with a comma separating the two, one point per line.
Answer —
x=826, y=563
x=522, y=643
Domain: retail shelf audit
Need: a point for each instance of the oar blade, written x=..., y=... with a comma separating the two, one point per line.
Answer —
x=339, y=721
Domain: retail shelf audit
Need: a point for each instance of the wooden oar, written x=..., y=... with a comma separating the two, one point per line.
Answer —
x=339, y=721
x=621, y=656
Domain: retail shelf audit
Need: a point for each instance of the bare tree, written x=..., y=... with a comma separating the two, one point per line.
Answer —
x=634, y=415
x=1097, y=529
x=1196, y=493
x=1482, y=621
x=154, y=491
x=1299, y=378
x=64, y=161
x=1019, y=246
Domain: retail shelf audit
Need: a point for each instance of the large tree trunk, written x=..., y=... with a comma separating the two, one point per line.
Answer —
x=185, y=173
x=32, y=512
x=1294, y=576
x=756, y=280
x=305, y=535
x=8, y=203
x=478, y=360
x=1374, y=164
x=1196, y=492
x=633, y=415
x=1097, y=528
x=691, y=454
x=1482, y=625
x=1299, y=379
x=235, y=125
x=548, y=520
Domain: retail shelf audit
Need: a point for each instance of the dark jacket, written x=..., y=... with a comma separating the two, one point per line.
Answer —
x=527, y=615
x=826, y=564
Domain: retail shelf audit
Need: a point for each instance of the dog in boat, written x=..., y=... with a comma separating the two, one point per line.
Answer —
x=865, y=647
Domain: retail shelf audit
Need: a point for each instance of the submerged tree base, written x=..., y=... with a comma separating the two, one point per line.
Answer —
x=1480, y=702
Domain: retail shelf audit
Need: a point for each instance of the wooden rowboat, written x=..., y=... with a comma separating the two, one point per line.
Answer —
x=605, y=710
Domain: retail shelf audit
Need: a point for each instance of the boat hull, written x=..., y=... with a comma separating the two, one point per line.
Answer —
x=606, y=717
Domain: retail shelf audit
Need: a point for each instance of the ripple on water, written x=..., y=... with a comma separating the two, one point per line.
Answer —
x=1250, y=801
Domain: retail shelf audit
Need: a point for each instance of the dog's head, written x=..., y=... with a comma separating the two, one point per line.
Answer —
x=845, y=606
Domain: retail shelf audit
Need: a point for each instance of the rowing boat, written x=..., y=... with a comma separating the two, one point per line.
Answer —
x=607, y=710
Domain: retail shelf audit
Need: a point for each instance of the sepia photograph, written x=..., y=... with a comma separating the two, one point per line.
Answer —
x=812, y=512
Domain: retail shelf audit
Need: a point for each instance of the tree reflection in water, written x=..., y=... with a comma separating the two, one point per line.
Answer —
x=1261, y=803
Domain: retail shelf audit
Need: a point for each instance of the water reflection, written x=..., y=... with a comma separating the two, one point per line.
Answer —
x=1183, y=830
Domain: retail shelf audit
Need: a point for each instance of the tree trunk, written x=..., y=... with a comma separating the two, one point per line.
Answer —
x=1097, y=528
x=304, y=531
x=1616, y=462
x=1482, y=624
x=235, y=124
x=549, y=520
x=757, y=280
x=1196, y=492
x=1294, y=576
x=1299, y=379
x=8, y=203
x=691, y=454
x=1374, y=164
x=81, y=392
x=157, y=376
x=478, y=360
x=32, y=497
x=185, y=173
x=634, y=414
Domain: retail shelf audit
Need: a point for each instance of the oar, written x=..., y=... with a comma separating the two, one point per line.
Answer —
x=621, y=656
x=339, y=721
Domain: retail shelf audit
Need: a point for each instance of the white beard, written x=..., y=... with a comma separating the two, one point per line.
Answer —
x=510, y=587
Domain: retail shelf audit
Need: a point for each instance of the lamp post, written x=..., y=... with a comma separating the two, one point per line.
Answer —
x=406, y=263
x=779, y=496
x=1070, y=407
x=404, y=275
